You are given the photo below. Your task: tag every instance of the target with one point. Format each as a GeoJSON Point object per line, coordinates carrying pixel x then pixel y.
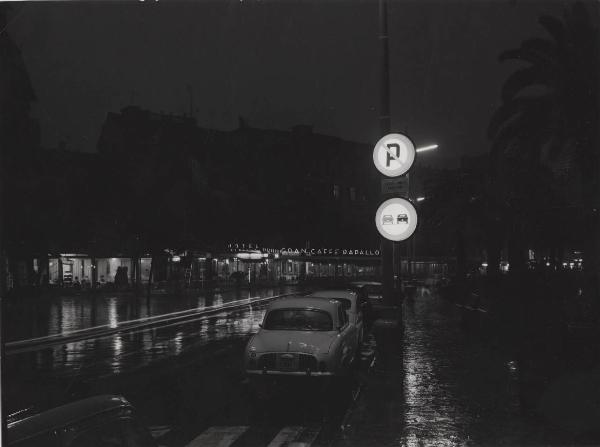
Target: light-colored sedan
{"type": "Point", "coordinates": [302, 336]}
{"type": "Point", "coordinates": [352, 304]}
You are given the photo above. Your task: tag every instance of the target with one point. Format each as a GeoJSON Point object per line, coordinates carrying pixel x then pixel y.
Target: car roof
{"type": "Point", "coordinates": [304, 302]}
{"type": "Point", "coordinates": [64, 415]}
{"type": "Point", "coordinates": [335, 293]}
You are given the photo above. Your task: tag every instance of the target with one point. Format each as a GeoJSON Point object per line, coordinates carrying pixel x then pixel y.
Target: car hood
{"type": "Point", "coordinates": [309, 342]}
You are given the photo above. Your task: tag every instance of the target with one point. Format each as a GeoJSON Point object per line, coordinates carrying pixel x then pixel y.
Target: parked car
{"type": "Point", "coordinates": [357, 307]}
{"type": "Point", "coordinates": [302, 336]}
{"type": "Point", "coordinates": [98, 421]}
{"type": "Point", "coordinates": [370, 290]}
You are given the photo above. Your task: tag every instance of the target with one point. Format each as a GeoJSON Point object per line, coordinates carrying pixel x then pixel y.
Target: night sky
{"type": "Point", "coordinates": [275, 63]}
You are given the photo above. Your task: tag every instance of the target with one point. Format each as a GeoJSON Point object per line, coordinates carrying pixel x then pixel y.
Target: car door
{"type": "Point", "coordinates": [109, 432]}
{"type": "Point", "coordinates": [102, 435]}
{"type": "Point", "coordinates": [49, 439]}
{"type": "Point", "coordinates": [348, 338]}
{"type": "Point", "coordinates": [360, 318]}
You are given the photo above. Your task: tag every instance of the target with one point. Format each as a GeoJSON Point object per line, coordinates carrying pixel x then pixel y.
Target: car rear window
{"type": "Point", "coordinates": [346, 303]}
{"type": "Point", "coordinates": [299, 320]}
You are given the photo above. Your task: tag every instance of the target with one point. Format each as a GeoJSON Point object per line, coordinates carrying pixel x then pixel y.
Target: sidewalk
{"type": "Point", "coordinates": [24, 319]}
{"type": "Point", "coordinates": [441, 385]}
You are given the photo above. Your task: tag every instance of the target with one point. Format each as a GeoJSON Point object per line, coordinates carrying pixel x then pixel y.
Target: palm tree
{"type": "Point", "coordinates": [550, 111]}
{"type": "Point", "coordinates": [455, 208]}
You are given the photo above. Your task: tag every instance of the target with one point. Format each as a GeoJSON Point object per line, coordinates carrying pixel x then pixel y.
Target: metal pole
{"type": "Point", "coordinates": [409, 251]}
{"type": "Point", "coordinates": [387, 247]}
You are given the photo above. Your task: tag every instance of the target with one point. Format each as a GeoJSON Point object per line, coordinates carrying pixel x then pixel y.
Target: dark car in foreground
{"type": "Point", "coordinates": [99, 421]}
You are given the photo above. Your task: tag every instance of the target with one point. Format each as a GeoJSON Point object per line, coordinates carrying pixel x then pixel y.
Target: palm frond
{"type": "Point", "coordinates": [524, 78]}
{"type": "Point", "coordinates": [542, 52]}
{"type": "Point", "coordinates": [554, 27]}
{"type": "Point", "coordinates": [545, 49]}
{"type": "Point", "coordinates": [509, 110]}
{"type": "Point", "coordinates": [523, 144]}
{"type": "Point", "coordinates": [515, 54]}
{"type": "Point", "coordinates": [578, 17]}
{"type": "Point", "coordinates": [536, 125]}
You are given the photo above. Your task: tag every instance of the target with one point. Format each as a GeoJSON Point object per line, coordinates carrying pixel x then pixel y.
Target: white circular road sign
{"type": "Point", "coordinates": [396, 219]}
{"type": "Point", "coordinates": [394, 154]}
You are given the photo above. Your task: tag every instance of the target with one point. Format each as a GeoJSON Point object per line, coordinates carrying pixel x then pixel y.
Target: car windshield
{"type": "Point", "coordinates": [373, 290]}
{"type": "Point", "coordinates": [299, 320]}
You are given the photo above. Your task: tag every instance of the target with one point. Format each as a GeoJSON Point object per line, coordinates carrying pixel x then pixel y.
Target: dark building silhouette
{"type": "Point", "coordinates": [291, 187]}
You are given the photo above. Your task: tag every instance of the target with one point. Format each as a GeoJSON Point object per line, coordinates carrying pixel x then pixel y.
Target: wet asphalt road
{"type": "Point", "coordinates": [36, 374]}
{"type": "Point", "coordinates": [31, 317]}
{"type": "Point", "coordinates": [435, 384]}
{"type": "Point", "coordinates": [181, 376]}
{"type": "Point", "coordinates": [444, 385]}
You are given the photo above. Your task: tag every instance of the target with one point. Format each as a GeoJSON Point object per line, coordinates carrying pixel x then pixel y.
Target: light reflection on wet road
{"type": "Point", "coordinates": [126, 351]}
{"type": "Point", "coordinates": [30, 318]}
{"type": "Point", "coordinates": [37, 372]}
{"type": "Point", "coordinates": [445, 387]}
{"type": "Point", "coordinates": [457, 390]}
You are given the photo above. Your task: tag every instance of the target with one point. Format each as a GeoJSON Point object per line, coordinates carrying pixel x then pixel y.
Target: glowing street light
{"type": "Point", "coordinates": [427, 148]}
{"type": "Point", "coordinates": [420, 199]}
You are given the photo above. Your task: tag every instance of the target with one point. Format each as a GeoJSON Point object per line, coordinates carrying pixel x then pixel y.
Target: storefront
{"type": "Point", "coordinates": [237, 264]}
{"type": "Point", "coordinates": [245, 266]}
{"type": "Point", "coordinates": [256, 264]}
{"type": "Point", "coordinates": [77, 268]}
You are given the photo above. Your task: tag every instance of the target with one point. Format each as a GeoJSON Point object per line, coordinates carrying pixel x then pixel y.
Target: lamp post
{"type": "Point", "coordinates": [390, 251]}
{"type": "Point", "coordinates": [387, 246]}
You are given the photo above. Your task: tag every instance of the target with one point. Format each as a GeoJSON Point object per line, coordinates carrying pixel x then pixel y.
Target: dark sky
{"type": "Point", "coordinates": [277, 63]}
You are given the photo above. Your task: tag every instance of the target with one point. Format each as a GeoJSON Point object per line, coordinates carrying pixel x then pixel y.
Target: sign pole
{"type": "Point", "coordinates": [387, 247]}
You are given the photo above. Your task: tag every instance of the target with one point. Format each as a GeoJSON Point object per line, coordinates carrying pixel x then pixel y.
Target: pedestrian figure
{"type": "Point", "coordinates": [121, 277]}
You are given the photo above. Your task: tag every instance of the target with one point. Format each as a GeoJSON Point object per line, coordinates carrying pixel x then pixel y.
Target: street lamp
{"type": "Point", "coordinates": [426, 148]}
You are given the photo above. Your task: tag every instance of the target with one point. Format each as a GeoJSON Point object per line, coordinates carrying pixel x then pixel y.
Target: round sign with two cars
{"type": "Point", "coordinates": [394, 154]}
{"type": "Point", "coordinates": [396, 219]}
